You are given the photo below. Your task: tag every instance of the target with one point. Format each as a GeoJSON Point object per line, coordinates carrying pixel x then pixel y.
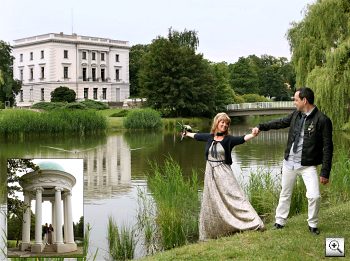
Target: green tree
{"type": "Point", "coordinates": [9, 87]}
{"type": "Point", "coordinates": [222, 94]}
{"type": "Point", "coordinates": [320, 45]}
{"type": "Point", "coordinates": [186, 38]}
{"type": "Point", "coordinates": [176, 80]}
{"type": "Point", "coordinates": [244, 76]}
{"type": "Point", "coordinates": [79, 228]}
{"type": "Point", "coordinates": [136, 54]}
{"type": "Point", "coordinates": [63, 94]}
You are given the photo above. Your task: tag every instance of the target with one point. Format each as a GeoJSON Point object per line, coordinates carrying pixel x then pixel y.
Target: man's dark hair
{"type": "Point", "coordinates": [306, 92]}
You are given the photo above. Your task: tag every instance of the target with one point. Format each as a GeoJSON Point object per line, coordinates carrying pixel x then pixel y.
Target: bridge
{"type": "Point", "coordinates": [260, 108]}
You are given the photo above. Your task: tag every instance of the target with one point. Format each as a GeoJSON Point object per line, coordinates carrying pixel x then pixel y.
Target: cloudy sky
{"type": "Point", "coordinates": [227, 29]}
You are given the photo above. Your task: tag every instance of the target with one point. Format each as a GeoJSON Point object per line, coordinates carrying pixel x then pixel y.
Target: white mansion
{"type": "Point", "coordinates": [95, 68]}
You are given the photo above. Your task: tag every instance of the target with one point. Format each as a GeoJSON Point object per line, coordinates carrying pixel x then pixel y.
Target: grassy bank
{"type": "Point", "coordinates": [13, 122]}
{"type": "Point", "coordinates": [294, 242]}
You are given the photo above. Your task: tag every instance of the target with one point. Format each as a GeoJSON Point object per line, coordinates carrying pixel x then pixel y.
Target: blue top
{"type": "Point", "coordinates": [227, 143]}
{"type": "Point", "coordinates": [50, 165]}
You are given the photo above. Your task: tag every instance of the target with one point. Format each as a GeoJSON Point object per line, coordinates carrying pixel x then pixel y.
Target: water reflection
{"type": "Point", "coordinates": [116, 165]}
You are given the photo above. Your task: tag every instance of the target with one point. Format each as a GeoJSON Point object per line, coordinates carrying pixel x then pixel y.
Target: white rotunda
{"type": "Point", "coordinates": [50, 183]}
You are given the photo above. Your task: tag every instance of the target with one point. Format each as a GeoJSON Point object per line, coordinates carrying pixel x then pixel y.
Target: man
{"type": "Point", "coordinates": [309, 144]}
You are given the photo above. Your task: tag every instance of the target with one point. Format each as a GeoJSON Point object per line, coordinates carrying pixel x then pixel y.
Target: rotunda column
{"type": "Point", "coordinates": [38, 215]}
{"type": "Point", "coordinates": [58, 216]}
{"type": "Point", "coordinates": [53, 222]}
{"type": "Point", "coordinates": [70, 233]}
{"type": "Point", "coordinates": [26, 219]}
{"type": "Point", "coordinates": [65, 218]}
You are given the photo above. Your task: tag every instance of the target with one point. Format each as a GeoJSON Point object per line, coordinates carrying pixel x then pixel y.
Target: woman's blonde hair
{"type": "Point", "coordinates": [220, 117]}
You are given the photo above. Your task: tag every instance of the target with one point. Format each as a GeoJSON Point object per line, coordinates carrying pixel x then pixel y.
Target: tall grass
{"type": "Point", "coordinates": [339, 188]}
{"type": "Point", "coordinates": [146, 222]}
{"type": "Point", "coordinates": [143, 119]}
{"type": "Point", "coordinates": [53, 122]}
{"type": "Point", "coordinates": [86, 244]}
{"type": "Point", "coordinates": [177, 203]}
{"type": "Point", "coordinates": [121, 242]}
{"type": "Point", "coordinates": [263, 193]}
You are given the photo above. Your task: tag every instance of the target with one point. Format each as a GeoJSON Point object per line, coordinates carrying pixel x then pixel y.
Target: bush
{"type": "Point", "coordinates": [143, 119]}
{"type": "Point", "coordinates": [75, 106]}
{"type": "Point", "coordinates": [254, 98]}
{"type": "Point", "coordinates": [48, 106]}
{"type": "Point", "coordinates": [63, 94]}
{"type": "Point", "coordinates": [2, 105]}
{"type": "Point", "coordinates": [96, 105]}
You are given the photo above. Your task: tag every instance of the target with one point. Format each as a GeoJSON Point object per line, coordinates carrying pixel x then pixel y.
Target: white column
{"type": "Point", "coordinates": [58, 216]}
{"type": "Point", "coordinates": [65, 217]}
{"type": "Point", "coordinates": [26, 219]}
{"type": "Point", "coordinates": [70, 233]}
{"type": "Point", "coordinates": [53, 222]}
{"type": "Point", "coordinates": [38, 216]}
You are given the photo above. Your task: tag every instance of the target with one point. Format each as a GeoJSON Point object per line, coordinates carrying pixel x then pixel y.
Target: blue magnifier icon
{"type": "Point", "coordinates": [334, 245]}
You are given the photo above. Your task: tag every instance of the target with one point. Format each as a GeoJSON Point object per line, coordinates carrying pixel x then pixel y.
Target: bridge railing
{"type": "Point", "coordinates": [260, 105]}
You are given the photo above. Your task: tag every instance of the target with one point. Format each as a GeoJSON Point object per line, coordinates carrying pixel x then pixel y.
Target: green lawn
{"type": "Point", "coordinates": [294, 242]}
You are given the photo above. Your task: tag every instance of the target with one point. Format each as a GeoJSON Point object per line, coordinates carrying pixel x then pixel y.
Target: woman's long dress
{"type": "Point", "coordinates": [225, 208]}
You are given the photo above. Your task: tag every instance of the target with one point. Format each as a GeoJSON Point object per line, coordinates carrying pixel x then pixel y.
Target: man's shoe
{"type": "Point", "coordinates": [314, 230]}
{"type": "Point", "coordinates": [277, 226]}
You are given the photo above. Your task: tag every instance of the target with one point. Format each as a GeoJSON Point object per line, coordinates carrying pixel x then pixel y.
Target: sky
{"type": "Point", "coordinates": [75, 168]}
{"type": "Point", "coordinates": [227, 29]}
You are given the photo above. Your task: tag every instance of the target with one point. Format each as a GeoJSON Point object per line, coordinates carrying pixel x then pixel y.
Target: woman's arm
{"type": "Point", "coordinates": [190, 134]}
{"type": "Point", "coordinates": [250, 136]}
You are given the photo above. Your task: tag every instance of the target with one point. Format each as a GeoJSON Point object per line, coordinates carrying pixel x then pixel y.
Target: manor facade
{"type": "Point", "coordinates": [95, 68]}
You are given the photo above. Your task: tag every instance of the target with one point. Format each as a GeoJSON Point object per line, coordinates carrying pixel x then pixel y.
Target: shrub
{"type": "Point", "coordinates": [2, 105]}
{"type": "Point", "coordinates": [63, 94]}
{"type": "Point", "coordinates": [48, 106]}
{"type": "Point", "coordinates": [143, 119]}
{"type": "Point", "coordinates": [75, 106]}
{"type": "Point", "coordinates": [96, 105]}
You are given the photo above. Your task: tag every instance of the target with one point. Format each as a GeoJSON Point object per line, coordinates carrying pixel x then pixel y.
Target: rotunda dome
{"type": "Point", "coordinates": [50, 165]}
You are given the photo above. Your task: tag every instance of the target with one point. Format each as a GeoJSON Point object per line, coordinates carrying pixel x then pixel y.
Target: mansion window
{"type": "Point", "coordinates": [65, 54]}
{"type": "Point", "coordinates": [86, 95]}
{"type": "Point", "coordinates": [103, 75]}
{"type": "Point", "coordinates": [31, 56]}
{"type": "Point", "coordinates": [21, 57]}
{"type": "Point", "coordinates": [84, 55]}
{"type": "Point", "coordinates": [31, 74]}
{"type": "Point", "coordinates": [93, 74]}
{"type": "Point", "coordinates": [104, 95]}
{"type": "Point", "coordinates": [95, 93]}
{"type": "Point", "coordinates": [93, 56]}
{"type": "Point", "coordinates": [21, 75]}
{"type": "Point", "coordinates": [102, 56]}
{"type": "Point", "coordinates": [42, 94]}
{"type": "Point", "coordinates": [117, 57]}
{"type": "Point", "coordinates": [42, 54]}
{"type": "Point", "coordinates": [42, 72]}
{"type": "Point", "coordinates": [84, 74]}
{"type": "Point", "coordinates": [117, 74]}
{"type": "Point", "coordinates": [65, 72]}
{"type": "Point", "coordinates": [21, 95]}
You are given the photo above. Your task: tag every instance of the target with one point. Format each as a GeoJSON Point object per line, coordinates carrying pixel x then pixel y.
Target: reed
{"type": "Point", "coordinates": [143, 119]}
{"type": "Point", "coordinates": [338, 190]}
{"type": "Point", "coordinates": [121, 242]}
{"type": "Point", "coordinates": [146, 221]}
{"type": "Point", "coordinates": [86, 244]}
{"type": "Point", "coordinates": [177, 203]}
{"type": "Point", "coordinates": [14, 122]}
{"type": "Point", "coordinates": [263, 193]}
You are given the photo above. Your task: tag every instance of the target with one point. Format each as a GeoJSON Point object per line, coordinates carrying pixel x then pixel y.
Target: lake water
{"type": "Point", "coordinates": [116, 165]}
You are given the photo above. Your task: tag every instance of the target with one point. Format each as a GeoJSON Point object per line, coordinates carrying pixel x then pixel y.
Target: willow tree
{"type": "Point", "coordinates": [320, 46]}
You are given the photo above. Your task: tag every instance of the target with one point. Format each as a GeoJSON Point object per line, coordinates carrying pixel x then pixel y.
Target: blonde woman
{"type": "Point", "coordinates": [225, 208]}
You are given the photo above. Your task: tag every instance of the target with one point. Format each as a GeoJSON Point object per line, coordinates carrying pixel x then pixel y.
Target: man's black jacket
{"type": "Point", "coordinates": [317, 145]}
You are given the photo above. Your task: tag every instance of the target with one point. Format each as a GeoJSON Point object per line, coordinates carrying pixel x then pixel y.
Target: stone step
{"type": "Point", "coordinates": [49, 248]}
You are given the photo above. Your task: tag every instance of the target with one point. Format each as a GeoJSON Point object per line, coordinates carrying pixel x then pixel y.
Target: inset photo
{"type": "Point", "coordinates": [45, 208]}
